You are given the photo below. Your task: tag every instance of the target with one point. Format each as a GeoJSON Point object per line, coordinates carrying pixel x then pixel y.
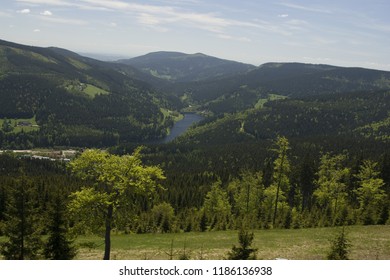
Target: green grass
{"type": "Point", "coordinates": [368, 242]}
{"type": "Point", "coordinates": [158, 75]}
{"type": "Point", "coordinates": [175, 115]}
{"type": "Point", "coordinates": [260, 103]}
{"type": "Point", "coordinates": [92, 90]}
{"type": "Point", "coordinates": [88, 89]}
{"type": "Point", "coordinates": [78, 64]}
{"type": "Point", "coordinates": [31, 54]}
{"type": "Point", "coordinates": [18, 129]}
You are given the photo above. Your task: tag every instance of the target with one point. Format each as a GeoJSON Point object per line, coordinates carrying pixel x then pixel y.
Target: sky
{"type": "Point", "coordinates": [352, 33]}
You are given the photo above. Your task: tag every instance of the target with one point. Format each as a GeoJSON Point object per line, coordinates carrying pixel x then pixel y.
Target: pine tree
{"type": "Point", "coordinates": [370, 194]}
{"type": "Point", "coordinates": [247, 192]}
{"type": "Point", "coordinates": [217, 207]}
{"type": "Point", "coordinates": [340, 247]}
{"type": "Point", "coordinates": [21, 226]}
{"type": "Point", "coordinates": [203, 221]}
{"type": "Point", "coordinates": [7, 125]}
{"type": "Point", "coordinates": [58, 245]}
{"type": "Point", "coordinates": [331, 188]}
{"type": "Point", "coordinates": [244, 250]}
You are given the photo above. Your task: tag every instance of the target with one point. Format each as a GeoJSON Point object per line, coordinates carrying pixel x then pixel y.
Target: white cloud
{"type": "Point", "coordinates": [36, 30]}
{"type": "Point", "coordinates": [47, 13]}
{"type": "Point", "coordinates": [6, 15]}
{"type": "Point", "coordinates": [160, 17]}
{"type": "Point", "coordinates": [239, 39]}
{"type": "Point", "coordinates": [148, 19]}
{"type": "Point", "coordinates": [306, 8]}
{"type": "Point", "coordinates": [157, 16]}
{"type": "Point", "coordinates": [46, 2]}
{"type": "Point", "coordinates": [60, 3]}
{"type": "Point", "coordinates": [297, 25]}
{"type": "Point", "coordinates": [24, 11]}
{"type": "Point", "coordinates": [324, 41]}
{"type": "Point", "coordinates": [63, 20]}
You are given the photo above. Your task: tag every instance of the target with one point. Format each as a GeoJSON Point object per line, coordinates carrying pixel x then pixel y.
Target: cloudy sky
{"type": "Point", "coordinates": [338, 32]}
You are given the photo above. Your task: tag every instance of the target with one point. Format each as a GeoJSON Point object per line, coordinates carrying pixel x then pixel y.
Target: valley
{"type": "Point", "coordinates": [211, 147]}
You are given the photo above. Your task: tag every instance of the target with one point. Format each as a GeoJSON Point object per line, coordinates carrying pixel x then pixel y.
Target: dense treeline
{"type": "Point", "coordinates": [33, 198]}
{"type": "Point", "coordinates": [76, 101]}
{"type": "Point", "coordinates": [67, 119]}
{"type": "Point", "coordinates": [281, 188]}
{"type": "Point", "coordinates": [357, 115]}
{"type": "Point", "coordinates": [187, 190]}
{"type": "Point", "coordinates": [323, 190]}
{"type": "Point", "coordinates": [295, 80]}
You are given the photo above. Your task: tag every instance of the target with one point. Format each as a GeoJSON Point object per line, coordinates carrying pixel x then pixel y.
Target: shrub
{"type": "Point", "coordinates": [243, 251]}
{"type": "Point", "coordinates": [340, 247]}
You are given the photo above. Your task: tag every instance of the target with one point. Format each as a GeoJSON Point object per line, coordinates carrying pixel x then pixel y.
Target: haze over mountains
{"type": "Point", "coordinates": [181, 67]}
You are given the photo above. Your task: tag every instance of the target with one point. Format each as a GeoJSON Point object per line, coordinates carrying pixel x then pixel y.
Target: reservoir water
{"type": "Point", "coordinates": [181, 126]}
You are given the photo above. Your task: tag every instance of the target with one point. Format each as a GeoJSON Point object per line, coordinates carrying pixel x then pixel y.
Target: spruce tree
{"type": "Point", "coordinates": [370, 194]}
{"type": "Point", "coordinates": [340, 247]}
{"type": "Point", "coordinates": [58, 245]}
{"type": "Point", "coordinates": [244, 250]}
{"type": "Point", "coordinates": [21, 225]}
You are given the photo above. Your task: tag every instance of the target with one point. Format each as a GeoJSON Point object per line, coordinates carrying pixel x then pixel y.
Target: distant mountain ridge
{"type": "Point", "coordinates": [181, 67]}
{"type": "Point", "coordinates": [76, 100]}
{"type": "Point", "coordinates": [293, 80]}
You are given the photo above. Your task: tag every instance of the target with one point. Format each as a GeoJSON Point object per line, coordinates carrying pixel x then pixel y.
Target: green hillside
{"type": "Point", "coordinates": [294, 80]}
{"type": "Point", "coordinates": [75, 100]}
{"type": "Point", "coordinates": [358, 114]}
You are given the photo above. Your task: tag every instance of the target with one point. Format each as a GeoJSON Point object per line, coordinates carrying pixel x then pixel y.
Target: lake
{"type": "Point", "coordinates": [181, 126]}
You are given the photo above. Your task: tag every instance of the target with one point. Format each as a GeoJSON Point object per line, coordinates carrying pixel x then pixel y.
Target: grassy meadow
{"type": "Point", "coordinates": [367, 243]}
{"type": "Point", "coordinates": [17, 129]}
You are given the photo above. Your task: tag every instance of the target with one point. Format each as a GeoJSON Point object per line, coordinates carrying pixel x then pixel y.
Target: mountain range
{"type": "Point", "coordinates": [222, 86]}
{"type": "Point", "coordinates": [80, 101]}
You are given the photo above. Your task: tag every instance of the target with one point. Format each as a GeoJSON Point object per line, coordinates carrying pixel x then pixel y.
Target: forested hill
{"type": "Point", "coordinates": [181, 67]}
{"type": "Point", "coordinates": [63, 99]}
{"type": "Point", "coordinates": [67, 99]}
{"type": "Point", "coordinates": [287, 79]}
{"type": "Point", "coordinates": [352, 116]}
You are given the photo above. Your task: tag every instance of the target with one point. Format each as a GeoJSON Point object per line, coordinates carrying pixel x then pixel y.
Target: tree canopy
{"type": "Point", "coordinates": [110, 180]}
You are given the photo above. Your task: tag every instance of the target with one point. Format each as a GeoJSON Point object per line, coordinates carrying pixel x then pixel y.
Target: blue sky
{"type": "Point", "coordinates": [337, 32]}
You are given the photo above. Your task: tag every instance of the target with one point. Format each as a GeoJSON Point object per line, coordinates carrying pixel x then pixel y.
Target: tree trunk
{"type": "Point", "coordinates": [107, 236]}
{"type": "Point", "coordinates": [278, 188]}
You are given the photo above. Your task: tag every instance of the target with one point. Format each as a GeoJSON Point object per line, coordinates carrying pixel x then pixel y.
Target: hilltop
{"type": "Point", "coordinates": [181, 67]}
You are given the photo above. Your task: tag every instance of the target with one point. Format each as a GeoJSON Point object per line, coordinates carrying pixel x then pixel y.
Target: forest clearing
{"type": "Point", "coordinates": [367, 243]}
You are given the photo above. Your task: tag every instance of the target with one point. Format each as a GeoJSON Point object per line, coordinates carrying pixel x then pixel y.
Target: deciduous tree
{"type": "Point", "coordinates": [109, 179]}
